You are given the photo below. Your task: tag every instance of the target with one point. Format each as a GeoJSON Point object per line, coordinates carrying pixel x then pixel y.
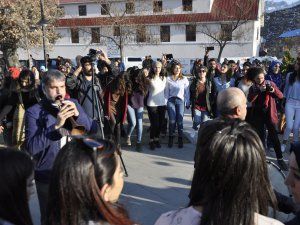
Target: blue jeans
{"type": "Point", "coordinates": [199, 117]}
{"type": "Point", "coordinates": [135, 117]}
{"type": "Point", "coordinates": [175, 108]}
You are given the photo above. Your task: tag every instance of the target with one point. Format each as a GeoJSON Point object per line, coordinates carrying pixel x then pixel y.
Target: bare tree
{"type": "Point", "coordinates": [19, 26]}
{"type": "Point", "coordinates": [121, 24]}
{"type": "Point", "coordinates": [233, 16]}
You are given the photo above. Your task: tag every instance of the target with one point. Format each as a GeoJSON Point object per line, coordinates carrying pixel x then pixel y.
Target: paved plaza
{"type": "Point", "coordinates": [159, 180]}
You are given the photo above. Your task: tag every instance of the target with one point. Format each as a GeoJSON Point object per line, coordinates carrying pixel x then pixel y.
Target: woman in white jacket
{"type": "Point", "coordinates": [292, 106]}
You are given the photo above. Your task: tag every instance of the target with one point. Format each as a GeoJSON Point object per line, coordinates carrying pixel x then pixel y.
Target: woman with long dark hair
{"type": "Point", "coordinates": [262, 95]}
{"type": "Point", "coordinates": [292, 106]}
{"type": "Point", "coordinates": [156, 103]}
{"type": "Point", "coordinates": [178, 95]}
{"type": "Point", "coordinates": [135, 106]}
{"type": "Point", "coordinates": [85, 184]}
{"type": "Point", "coordinates": [115, 96]}
{"type": "Point", "coordinates": [224, 79]}
{"type": "Point", "coordinates": [23, 96]}
{"type": "Point", "coordinates": [230, 183]}
{"type": "Point", "coordinates": [16, 186]}
{"type": "Point", "coordinates": [202, 94]}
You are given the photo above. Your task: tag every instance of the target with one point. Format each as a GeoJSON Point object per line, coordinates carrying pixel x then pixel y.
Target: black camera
{"type": "Point", "coordinates": [92, 54]}
{"type": "Point", "coordinates": [269, 87]}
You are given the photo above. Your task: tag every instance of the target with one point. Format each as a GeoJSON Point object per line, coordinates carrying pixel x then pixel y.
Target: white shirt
{"type": "Point", "coordinates": [156, 92]}
{"type": "Point", "coordinates": [190, 216]}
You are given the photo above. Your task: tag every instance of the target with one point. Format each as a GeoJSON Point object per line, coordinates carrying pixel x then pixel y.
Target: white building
{"type": "Point", "coordinates": [165, 26]}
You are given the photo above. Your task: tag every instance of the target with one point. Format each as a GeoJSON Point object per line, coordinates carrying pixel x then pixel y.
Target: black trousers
{"type": "Point", "coordinates": [156, 116]}
{"type": "Point", "coordinates": [259, 120]}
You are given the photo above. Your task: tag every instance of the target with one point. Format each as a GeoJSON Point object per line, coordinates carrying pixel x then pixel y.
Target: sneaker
{"type": "Point", "coordinates": [138, 147]}
{"type": "Point", "coordinates": [157, 144]}
{"type": "Point", "coordinates": [128, 141]}
{"type": "Point", "coordinates": [152, 145]}
{"type": "Point", "coordinates": [282, 164]}
{"type": "Point", "coordinates": [283, 147]}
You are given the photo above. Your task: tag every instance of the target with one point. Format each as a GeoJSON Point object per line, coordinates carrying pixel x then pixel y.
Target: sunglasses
{"type": "Point", "coordinates": [92, 145]}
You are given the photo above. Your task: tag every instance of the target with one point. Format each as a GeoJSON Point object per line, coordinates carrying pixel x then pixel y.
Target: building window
{"type": "Point", "coordinates": [226, 32]}
{"type": "Point", "coordinates": [82, 10]}
{"type": "Point", "coordinates": [61, 11]}
{"type": "Point", "coordinates": [165, 33]}
{"type": "Point", "coordinates": [157, 6]}
{"type": "Point", "coordinates": [104, 9]}
{"type": "Point", "coordinates": [117, 31]}
{"type": "Point", "coordinates": [95, 35]}
{"type": "Point", "coordinates": [187, 5]}
{"type": "Point", "coordinates": [74, 35]}
{"type": "Point", "coordinates": [190, 32]}
{"type": "Point", "coordinates": [141, 34]}
{"type": "Point", "coordinates": [130, 8]}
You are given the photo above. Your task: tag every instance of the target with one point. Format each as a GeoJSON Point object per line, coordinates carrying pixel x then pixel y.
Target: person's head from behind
{"type": "Point", "coordinates": [232, 103]}
{"type": "Point", "coordinates": [86, 180]}
{"type": "Point", "coordinates": [293, 178]}
{"type": "Point", "coordinates": [53, 85]}
{"type": "Point", "coordinates": [231, 180]}
{"type": "Point", "coordinates": [16, 186]}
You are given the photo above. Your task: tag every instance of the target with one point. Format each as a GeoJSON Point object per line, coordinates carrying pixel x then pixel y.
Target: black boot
{"type": "Point", "coordinates": [170, 143]}
{"type": "Point", "coordinates": [152, 145]}
{"type": "Point", "coordinates": [180, 142]}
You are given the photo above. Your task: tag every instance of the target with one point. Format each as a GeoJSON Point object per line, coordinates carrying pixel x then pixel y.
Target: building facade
{"type": "Point", "coordinates": [153, 27]}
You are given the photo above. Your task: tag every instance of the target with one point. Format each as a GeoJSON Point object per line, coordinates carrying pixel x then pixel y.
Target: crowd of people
{"type": "Point", "coordinates": [69, 121]}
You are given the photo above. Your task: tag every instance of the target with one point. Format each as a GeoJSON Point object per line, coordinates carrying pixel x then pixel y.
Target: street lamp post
{"type": "Point", "coordinates": [43, 22]}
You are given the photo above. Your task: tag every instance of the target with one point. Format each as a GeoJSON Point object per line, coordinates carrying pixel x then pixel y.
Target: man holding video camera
{"type": "Point", "coordinates": [80, 84]}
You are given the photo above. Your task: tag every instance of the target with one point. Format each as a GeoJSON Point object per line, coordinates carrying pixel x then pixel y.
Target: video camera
{"type": "Point", "coordinates": [93, 53]}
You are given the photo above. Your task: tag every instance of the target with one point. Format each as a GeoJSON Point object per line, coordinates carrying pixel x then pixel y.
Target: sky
{"type": "Point", "coordinates": [287, 1]}
{"type": "Point", "coordinates": [290, 1]}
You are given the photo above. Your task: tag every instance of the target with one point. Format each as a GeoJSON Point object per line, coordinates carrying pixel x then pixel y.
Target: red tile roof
{"type": "Point", "coordinates": [222, 10]}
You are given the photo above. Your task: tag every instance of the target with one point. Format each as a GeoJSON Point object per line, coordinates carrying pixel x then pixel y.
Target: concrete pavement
{"type": "Point", "coordinates": [158, 180]}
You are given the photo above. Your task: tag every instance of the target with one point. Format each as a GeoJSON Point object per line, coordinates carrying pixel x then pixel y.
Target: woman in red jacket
{"type": "Point", "coordinates": [262, 95]}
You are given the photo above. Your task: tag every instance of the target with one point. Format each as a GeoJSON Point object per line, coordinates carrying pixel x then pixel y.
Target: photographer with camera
{"type": "Point", "coordinates": [80, 85]}
{"type": "Point", "coordinates": [262, 95]}
{"type": "Point", "coordinates": [211, 64]}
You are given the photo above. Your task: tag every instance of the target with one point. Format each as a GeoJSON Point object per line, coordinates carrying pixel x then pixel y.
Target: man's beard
{"type": "Point", "coordinates": [88, 73]}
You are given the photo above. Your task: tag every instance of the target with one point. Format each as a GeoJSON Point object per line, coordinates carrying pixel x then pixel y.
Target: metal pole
{"type": "Point", "coordinates": [44, 31]}
{"type": "Point", "coordinates": [44, 45]}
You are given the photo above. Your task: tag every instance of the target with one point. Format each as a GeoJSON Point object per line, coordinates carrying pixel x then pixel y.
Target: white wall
{"type": "Point", "coordinates": [141, 7]}
{"type": "Point", "coordinates": [246, 46]}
